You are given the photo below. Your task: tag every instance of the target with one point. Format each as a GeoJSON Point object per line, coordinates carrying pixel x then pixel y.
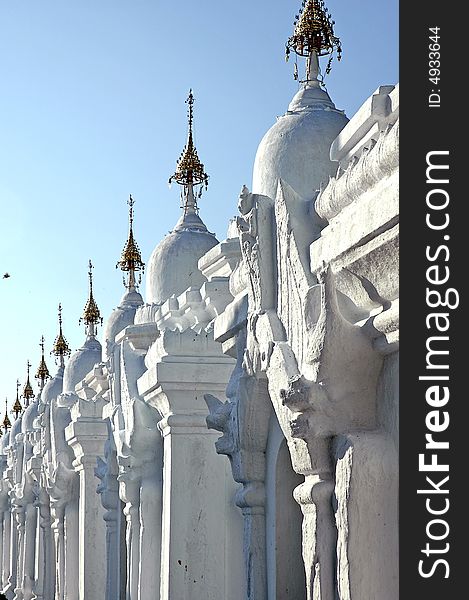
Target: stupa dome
{"type": "Point", "coordinates": [296, 148]}
{"type": "Point", "coordinates": [172, 267]}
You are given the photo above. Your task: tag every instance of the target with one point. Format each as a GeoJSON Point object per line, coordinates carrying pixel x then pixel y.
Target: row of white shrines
{"type": "Point", "coordinates": [115, 482]}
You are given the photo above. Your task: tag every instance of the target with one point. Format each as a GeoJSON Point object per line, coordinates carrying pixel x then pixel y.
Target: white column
{"type": "Point", "coordinates": [49, 570]}
{"type": "Point", "coordinates": [29, 551]}
{"type": "Point", "coordinates": [6, 547]}
{"type": "Point", "coordinates": [112, 555]}
{"type": "Point", "coordinates": [193, 553]}
{"type": "Point", "coordinates": [34, 547]}
{"type": "Point", "coordinates": [72, 544]}
{"type": "Point", "coordinates": [194, 536]}
{"type": "Point", "coordinates": [45, 564]}
{"type": "Point", "coordinates": [150, 529]}
{"type": "Point", "coordinates": [87, 435]}
{"type": "Point", "coordinates": [20, 524]}
{"type": "Point", "coordinates": [130, 494]}
{"type": "Point", "coordinates": [319, 535]}
{"type": "Point", "coordinates": [59, 550]}
{"type": "Point", "coordinates": [9, 590]}
{"type": "Point", "coordinates": [2, 548]}
{"type": "Point", "coordinates": [92, 535]}
{"type": "Point", "coordinates": [39, 559]}
{"type": "Point", "coordinates": [111, 504]}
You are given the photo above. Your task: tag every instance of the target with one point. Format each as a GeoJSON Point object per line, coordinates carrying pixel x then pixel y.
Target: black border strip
{"type": "Point", "coordinates": [432, 264]}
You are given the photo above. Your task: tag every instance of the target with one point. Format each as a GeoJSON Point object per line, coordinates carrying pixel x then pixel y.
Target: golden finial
{"type": "Point", "coordinates": [28, 393]}
{"type": "Point", "coordinates": [17, 408]}
{"type": "Point", "coordinates": [42, 372]}
{"type": "Point", "coordinates": [314, 32]}
{"type": "Point", "coordinates": [91, 315]}
{"type": "Point", "coordinates": [6, 421]}
{"type": "Point", "coordinates": [189, 170]}
{"type": "Point", "coordinates": [131, 259]}
{"type": "Point", "coordinates": [61, 347]}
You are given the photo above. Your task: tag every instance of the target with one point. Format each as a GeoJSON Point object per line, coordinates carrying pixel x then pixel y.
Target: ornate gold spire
{"type": "Point", "coordinates": [314, 32]}
{"type": "Point", "coordinates": [61, 347]}
{"type": "Point", "coordinates": [28, 393]}
{"type": "Point", "coordinates": [131, 259]}
{"type": "Point", "coordinates": [17, 408]}
{"type": "Point", "coordinates": [190, 170]}
{"type": "Point", "coordinates": [91, 315]}
{"type": "Point", "coordinates": [42, 372]}
{"type": "Point", "coordinates": [6, 424]}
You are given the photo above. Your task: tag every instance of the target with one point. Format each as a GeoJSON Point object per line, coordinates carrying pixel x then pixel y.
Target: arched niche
{"type": "Point", "coordinates": [285, 568]}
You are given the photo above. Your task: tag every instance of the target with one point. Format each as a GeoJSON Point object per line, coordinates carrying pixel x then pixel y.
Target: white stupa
{"type": "Point", "coordinates": [130, 263]}
{"type": "Point", "coordinates": [60, 350]}
{"type": "Point", "coordinates": [83, 360]}
{"type": "Point", "coordinates": [18, 410]}
{"type": "Point", "coordinates": [172, 267]}
{"type": "Point", "coordinates": [296, 148]}
{"type": "Point", "coordinates": [30, 405]}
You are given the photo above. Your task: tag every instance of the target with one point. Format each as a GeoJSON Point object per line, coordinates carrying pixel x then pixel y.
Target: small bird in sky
{"type": "Point", "coordinates": [6, 275]}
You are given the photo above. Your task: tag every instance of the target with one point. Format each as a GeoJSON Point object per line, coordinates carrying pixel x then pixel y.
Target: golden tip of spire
{"type": "Point", "coordinates": [28, 392]}
{"type": "Point", "coordinates": [61, 347]}
{"type": "Point", "coordinates": [131, 258]}
{"type": "Point", "coordinates": [6, 424]}
{"type": "Point", "coordinates": [314, 32]}
{"type": "Point", "coordinates": [42, 372]}
{"type": "Point", "coordinates": [91, 314]}
{"type": "Point", "coordinates": [189, 169]}
{"type": "Point", "coordinates": [190, 109]}
{"type": "Point", "coordinates": [17, 406]}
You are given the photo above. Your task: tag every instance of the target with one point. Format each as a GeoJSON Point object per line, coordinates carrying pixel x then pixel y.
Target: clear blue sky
{"type": "Point", "coordinates": [92, 109]}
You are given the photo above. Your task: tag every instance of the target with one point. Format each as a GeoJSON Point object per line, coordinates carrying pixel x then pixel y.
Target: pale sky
{"type": "Point", "coordinates": [92, 109]}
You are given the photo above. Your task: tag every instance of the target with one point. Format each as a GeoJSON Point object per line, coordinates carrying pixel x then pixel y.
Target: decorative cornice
{"type": "Point", "coordinates": [377, 161]}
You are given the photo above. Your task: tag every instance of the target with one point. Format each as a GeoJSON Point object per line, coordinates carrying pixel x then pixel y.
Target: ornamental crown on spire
{"type": "Point", "coordinates": [17, 407]}
{"type": "Point", "coordinates": [189, 169]}
{"type": "Point", "coordinates": [91, 314]}
{"type": "Point", "coordinates": [61, 347]}
{"type": "Point", "coordinates": [6, 424]}
{"type": "Point", "coordinates": [314, 32]}
{"type": "Point", "coordinates": [131, 258]}
{"type": "Point", "coordinates": [42, 372]}
{"type": "Point", "coordinates": [28, 392]}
